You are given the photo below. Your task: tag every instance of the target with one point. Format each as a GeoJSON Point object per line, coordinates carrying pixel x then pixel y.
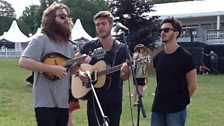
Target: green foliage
{"type": "Point", "coordinates": [5, 24]}
{"type": "Point", "coordinates": [6, 9]}
{"type": "Point", "coordinates": [30, 19]}
{"type": "Point", "coordinates": [84, 10]}
{"type": "Point", "coordinates": [205, 109]}
{"type": "Point", "coordinates": [131, 14]}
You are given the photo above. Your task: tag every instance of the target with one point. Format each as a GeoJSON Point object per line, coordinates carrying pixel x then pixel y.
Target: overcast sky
{"type": "Point", "coordinates": [19, 5]}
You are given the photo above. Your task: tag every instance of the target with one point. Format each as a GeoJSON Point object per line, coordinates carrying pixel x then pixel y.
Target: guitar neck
{"type": "Point", "coordinates": [110, 70]}
{"type": "Point", "coordinates": [117, 67]}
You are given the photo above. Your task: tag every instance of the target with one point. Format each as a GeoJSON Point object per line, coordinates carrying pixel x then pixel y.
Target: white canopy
{"type": "Point", "coordinates": [14, 34]}
{"type": "Point", "coordinates": [189, 9]}
{"type": "Point", "coordinates": [79, 32]}
{"type": "Point", "coordinates": [37, 32]}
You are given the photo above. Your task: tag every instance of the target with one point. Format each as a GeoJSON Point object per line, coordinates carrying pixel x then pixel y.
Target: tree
{"type": "Point", "coordinates": [5, 24]}
{"type": "Point", "coordinates": [7, 14]}
{"type": "Point", "coordinates": [131, 14]}
{"type": "Point", "coordinates": [6, 9]}
{"type": "Point", "coordinates": [84, 10]}
{"type": "Point", "coordinates": [29, 18]}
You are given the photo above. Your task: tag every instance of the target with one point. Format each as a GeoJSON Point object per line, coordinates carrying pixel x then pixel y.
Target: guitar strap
{"type": "Point", "coordinates": [116, 48]}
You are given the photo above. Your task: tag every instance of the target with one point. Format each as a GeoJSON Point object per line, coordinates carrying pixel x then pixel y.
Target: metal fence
{"type": "Point", "coordinates": [215, 37]}
{"type": "Point", "coordinates": [9, 53]}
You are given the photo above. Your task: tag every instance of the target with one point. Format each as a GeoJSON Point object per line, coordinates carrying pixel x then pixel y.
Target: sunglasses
{"type": "Point", "coordinates": [62, 16]}
{"type": "Point", "coordinates": [166, 30]}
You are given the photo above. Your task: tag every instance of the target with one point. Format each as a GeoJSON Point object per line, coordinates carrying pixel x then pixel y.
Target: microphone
{"type": "Point", "coordinates": [121, 26]}
{"type": "Point", "coordinates": [88, 74]}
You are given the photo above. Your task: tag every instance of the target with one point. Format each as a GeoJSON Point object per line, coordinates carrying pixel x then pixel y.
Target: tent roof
{"type": "Point", "coordinates": [37, 33]}
{"type": "Point", "coordinates": [79, 32]}
{"type": "Point", "coordinates": [14, 34]}
{"type": "Point", "coordinates": [189, 9]}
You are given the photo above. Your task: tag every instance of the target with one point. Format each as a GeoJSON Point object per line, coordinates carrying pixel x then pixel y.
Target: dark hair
{"type": "Point", "coordinates": [104, 14]}
{"type": "Point", "coordinates": [177, 26]}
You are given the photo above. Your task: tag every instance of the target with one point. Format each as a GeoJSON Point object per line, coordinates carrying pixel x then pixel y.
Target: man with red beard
{"type": "Point", "coordinates": [110, 96]}
{"type": "Point", "coordinates": [50, 97]}
{"type": "Point", "coordinates": [176, 78]}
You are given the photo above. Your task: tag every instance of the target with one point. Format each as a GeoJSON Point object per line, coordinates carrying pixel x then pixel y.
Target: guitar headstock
{"type": "Point", "coordinates": [98, 53]}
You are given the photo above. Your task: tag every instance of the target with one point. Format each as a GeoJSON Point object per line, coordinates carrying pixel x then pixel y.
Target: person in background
{"type": "Point", "coordinates": [176, 78]}
{"type": "Point", "coordinates": [110, 96]}
{"type": "Point", "coordinates": [50, 97]}
{"type": "Point", "coordinates": [203, 69]}
{"type": "Point", "coordinates": [214, 62]}
{"type": "Point", "coordinates": [141, 73]}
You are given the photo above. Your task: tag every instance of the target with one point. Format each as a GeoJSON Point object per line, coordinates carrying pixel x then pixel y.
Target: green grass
{"type": "Point", "coordinates": [206, 108]}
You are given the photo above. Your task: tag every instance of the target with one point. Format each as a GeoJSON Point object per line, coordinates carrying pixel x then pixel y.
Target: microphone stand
{"type": "Point", "coordinates": [140, 103]}
{"type": "Point", "coordinates": [89, 84]}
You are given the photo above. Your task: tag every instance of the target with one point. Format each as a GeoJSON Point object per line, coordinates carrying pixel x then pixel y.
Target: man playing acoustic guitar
{"type": "Point", "coordinates": [50, 97]}
{"type": "Point", "coordinates": [110, 96]}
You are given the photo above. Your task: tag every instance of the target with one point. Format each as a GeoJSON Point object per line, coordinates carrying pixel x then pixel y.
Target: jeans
{"type": "Point", "coordinates": [169, 119]}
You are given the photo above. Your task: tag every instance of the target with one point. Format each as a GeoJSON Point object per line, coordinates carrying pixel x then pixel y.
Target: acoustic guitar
{"type": "Point", "coordinates": [98, 74]}
{"type": "Point", "coordinates": [55, 58]}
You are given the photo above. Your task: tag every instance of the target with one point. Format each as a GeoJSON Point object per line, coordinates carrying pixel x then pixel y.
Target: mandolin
{"type": "Point", "coordinates": [55, 58]}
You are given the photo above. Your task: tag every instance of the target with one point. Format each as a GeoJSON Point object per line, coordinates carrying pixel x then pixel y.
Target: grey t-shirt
{"type": "Point", "coordinates": [48, 93]}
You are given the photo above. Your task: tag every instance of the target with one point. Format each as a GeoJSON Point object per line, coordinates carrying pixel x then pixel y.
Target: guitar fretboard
{"type": "Point", "coordinates": [110, 70]}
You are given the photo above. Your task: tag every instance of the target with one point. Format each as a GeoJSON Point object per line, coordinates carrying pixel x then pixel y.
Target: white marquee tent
{"type": "Point", "coordinates": [78, 31]}
{"type": "Point", "coordinates": [37, 32]}
{"type": "Point", "coordinates": [15, 35]}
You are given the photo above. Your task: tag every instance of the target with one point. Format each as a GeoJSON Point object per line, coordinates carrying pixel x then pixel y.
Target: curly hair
{"type": "Point", "coordinates": [48, 19]}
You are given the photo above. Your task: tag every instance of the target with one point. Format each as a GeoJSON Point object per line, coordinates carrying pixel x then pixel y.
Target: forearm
{"type": "Point", "coordinates": [33, 65]}
{"type": "Point", "coordinates": [191, 80]}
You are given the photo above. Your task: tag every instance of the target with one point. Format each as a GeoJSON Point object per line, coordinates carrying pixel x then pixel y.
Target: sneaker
{"type": "Point", "coordinates": [29, 84]}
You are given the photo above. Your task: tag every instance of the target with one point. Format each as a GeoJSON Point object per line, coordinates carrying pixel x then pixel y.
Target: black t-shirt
{"type": "Point", "coordinates": [114, 92]}
{"type": "Point", "coordinates": [172, 89]}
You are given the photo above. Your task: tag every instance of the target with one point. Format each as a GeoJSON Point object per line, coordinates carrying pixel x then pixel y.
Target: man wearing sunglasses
{"type": "Point", "coordinates": [50, 97]}
{"type": "Point", "coordinates": [176, 78]}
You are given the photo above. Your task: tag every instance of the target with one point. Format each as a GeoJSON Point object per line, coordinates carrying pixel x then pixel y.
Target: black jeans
{"type": "Point", "coordinates": [112, 110]}
{"type": "Point", "coordinates": [51, 116]}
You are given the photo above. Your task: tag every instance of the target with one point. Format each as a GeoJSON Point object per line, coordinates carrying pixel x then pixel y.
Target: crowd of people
{"type": "Point", "coordinates": [53, 101]}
